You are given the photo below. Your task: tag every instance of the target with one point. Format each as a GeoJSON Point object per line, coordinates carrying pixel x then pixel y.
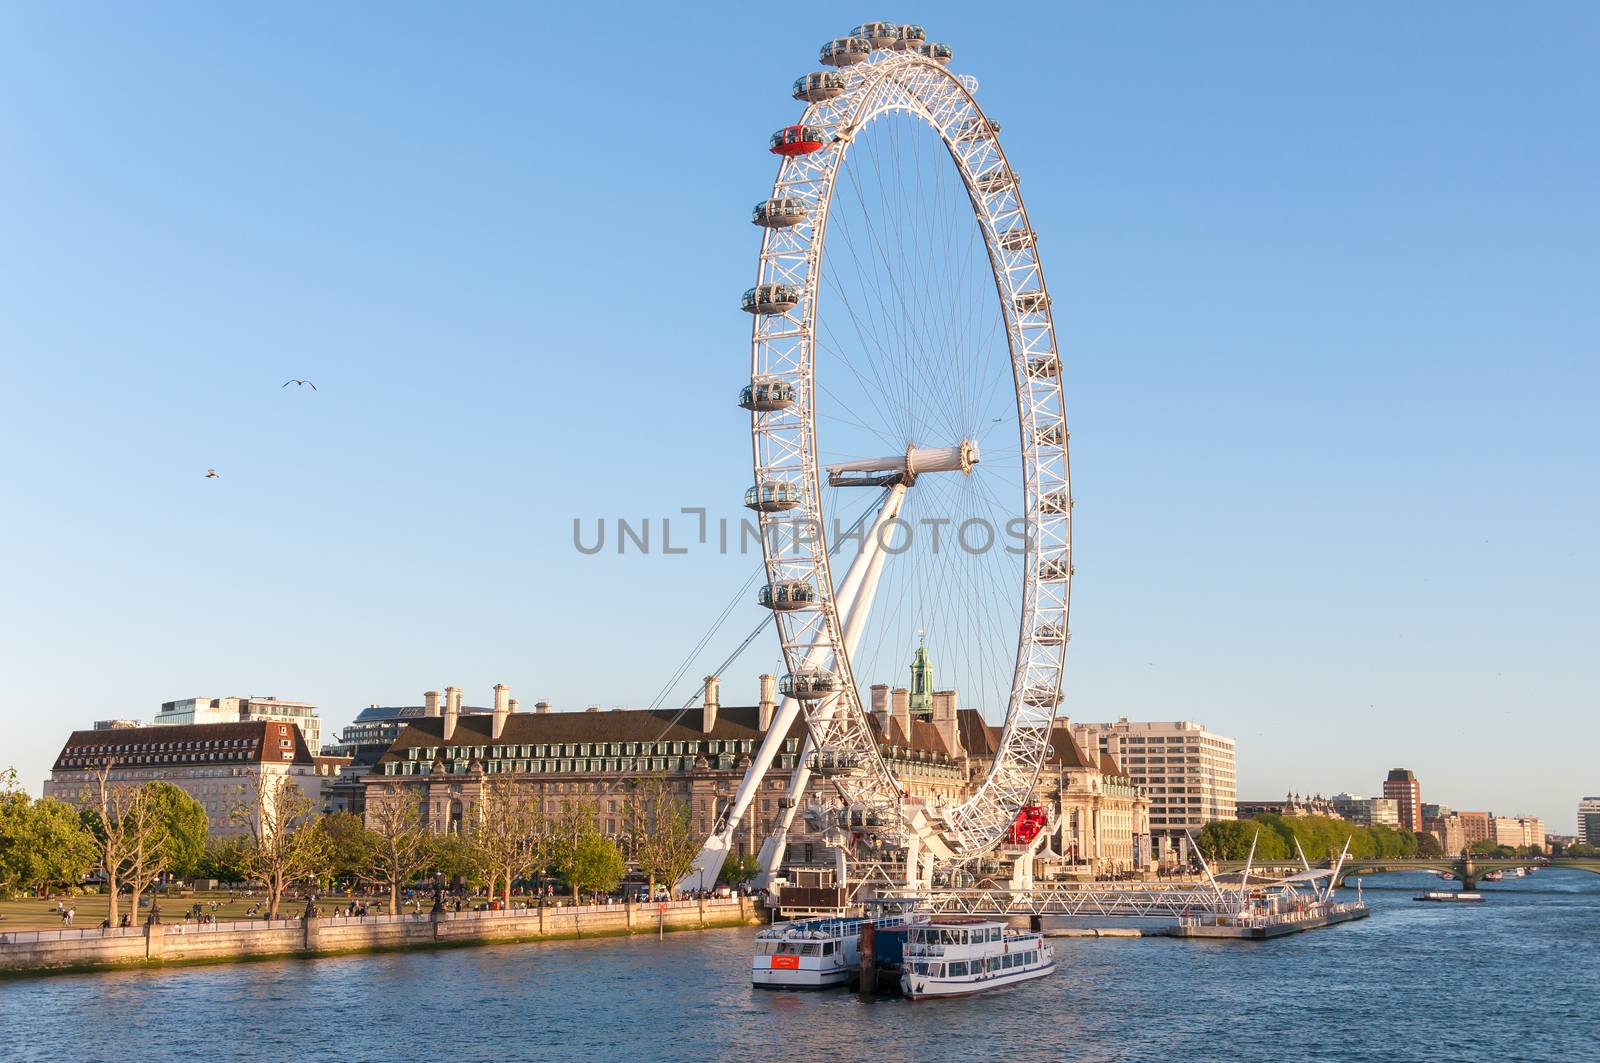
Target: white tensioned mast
{"type": "Point", "coordinates": [785, 447]}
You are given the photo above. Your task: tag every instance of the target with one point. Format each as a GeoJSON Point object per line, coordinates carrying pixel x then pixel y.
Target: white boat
{"type": "Point", "coordinates": [958, 957]}
{"type": "Point", "coordinates": [813, 953]}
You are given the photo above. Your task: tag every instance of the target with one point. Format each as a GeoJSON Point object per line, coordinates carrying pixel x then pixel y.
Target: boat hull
{"type": "Point", "coordinates": [923, 987]}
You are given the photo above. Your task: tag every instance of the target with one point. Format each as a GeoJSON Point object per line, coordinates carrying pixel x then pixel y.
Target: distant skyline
{"type": "Point", "coordinates": [1324, 280]}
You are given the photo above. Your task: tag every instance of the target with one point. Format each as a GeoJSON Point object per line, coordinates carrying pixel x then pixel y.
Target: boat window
{"type": "Point", "coordinates": [827, 948]}
{"type": "Point", "coordinates": [809, 950]}
{"type": "Point", "coordinates": [958, 969]}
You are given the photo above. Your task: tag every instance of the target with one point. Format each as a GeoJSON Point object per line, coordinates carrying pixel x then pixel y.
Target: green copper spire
{"type": "Point", "coordinates": [921, 683]}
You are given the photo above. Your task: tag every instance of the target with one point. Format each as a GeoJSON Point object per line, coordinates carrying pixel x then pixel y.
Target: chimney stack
{"type": "Point", "coordinates": [502, 709]}
{"type": "Point", "coordinates": [769, 702]}
{"type": "Point", "coordinates": [541, 706]}
{"type": "Point", "coordinates": [512, 706]}
{"type": "Point", "coordinates": [452, 710]}
{"type": "Point", "coordinates": [900, 699]}
{"type": "Point", "coordinates": [944, 718]}
{"type": "Point", "coordinates": [708, 718]}
{"type": "Point", "coordinates": [430, 703]}
{"type": "Point", "coordinates": [880, 709]}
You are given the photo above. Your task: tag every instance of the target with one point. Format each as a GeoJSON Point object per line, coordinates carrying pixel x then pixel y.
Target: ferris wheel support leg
{"type": "Point", "coordinates": [854, 600]}
{"type": "Point", "coordinates": [859, 586]}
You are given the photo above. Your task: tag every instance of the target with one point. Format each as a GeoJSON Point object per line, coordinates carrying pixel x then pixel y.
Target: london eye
{"type": "Point", "coordinates": [905, 399]}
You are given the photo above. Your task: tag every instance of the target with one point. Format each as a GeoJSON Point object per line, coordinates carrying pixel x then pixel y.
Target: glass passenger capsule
{"type": "Point", "coordinates": [1050, 435]}
{"type": "Point", "coordinates": [877, 34]}
{"type": "Point", "coordinates": [794, 140]}
{"type": "Point", "coordinates": [1041, 697]}
{"type": "Point", "coordinates": [908, 37]}
{"type": "Point", "coordinates": [788, 595]}
{"type": "Point", "coordinates": [1055, 569]}
{"type": "Point", "coordinates": [770, 299]}
{"type": "Point", "coordinates": [845, 51]}
{"type": "Point", "coordinates": [996, 181]}
{"type": "Point", "coordinates": [1049, 635]}
{"type": "Point", "coordinates": [767, 396]}
{"type": "Point", "coordinates": [822, 85]}
{"type": "Point", "coordinates": [774, 496]}
{"type": "Point", "coordinates": [828, 763]}
{"type": "Point", "coordinates": [1044, 365]}
{"type": "Point", "coordinates": [977, 129]}
{"type": "Point", "coordinates": [808, 686]}
{"type": "Point", "coordinates": [778, 213]}
{"type": "Point", "coordinates": [939, 53]}
{"type": "Point", "coordinates": [1032, 302]}
{"type": "Point", "coordinates": [1056, 502]}
{"type": "Point", "coordinates": [1018, 239]}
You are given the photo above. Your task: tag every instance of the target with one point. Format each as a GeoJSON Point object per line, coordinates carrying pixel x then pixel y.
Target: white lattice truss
{"type": "Point", "coordinates": [785, 445]}
{"type": "Point", "coordinates": [1123, 900]}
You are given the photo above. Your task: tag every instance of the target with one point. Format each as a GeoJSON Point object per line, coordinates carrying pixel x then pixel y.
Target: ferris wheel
{"type": "Point", "coordinates": [906, 400]}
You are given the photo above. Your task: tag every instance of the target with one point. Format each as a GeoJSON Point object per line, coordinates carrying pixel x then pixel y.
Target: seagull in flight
{"type": "Point", "coordinates": [211, 474]}
{"type": "Point", "coordinates": [301, 383]}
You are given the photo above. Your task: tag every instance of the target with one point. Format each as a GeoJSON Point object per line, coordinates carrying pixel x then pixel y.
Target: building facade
{"type": "Point", "coordinates": [1368, 811]}
{"type": "Point", "coordinates": [1405, 791]}
{"type": "Point", "coordinates": [1474, 828]}
{"type": "Point", "coordinates": [1589, 821]}
{"type": "Point", "coordinates": [442, 762]}
{"type": "Point", "coordinates": [243, 710]}
{"type": "Point", "coordinates": [217, 764]}
{"type": "Point", "coordinates": [1186, 772]}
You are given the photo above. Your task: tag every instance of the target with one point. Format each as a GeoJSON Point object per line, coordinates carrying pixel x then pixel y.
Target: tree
{"type": "Point", "coordinates": [395, 847]}
{"type": "Point", "coordinates": [597, 864]}
{"type": "Point", "coordinates": [186, 825]}
{"type": "Point", "coordinates": [1428, 845]}
{"type": "Point", "coordinates": [282, 843]}
{"type": "Point", "coordinates": [737, 868]}
{"type": "Point", "coordinates": [568, 831]}
{"type": "Point", "coordinates": [346, 839]}
{"type": "Point", "coordinates": [659, 821]}
{"type": "Point", "coordinates": [505, 835]}
{"type": "Point", "coordinates": [41, 842]}
{"type": "Point", "coordinates": [130, 835]}
{"type": "Point", "coordinates": [224, 859]}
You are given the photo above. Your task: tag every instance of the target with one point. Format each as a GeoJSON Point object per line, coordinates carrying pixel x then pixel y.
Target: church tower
{"type": "Point", "coordinates": [921, 684]}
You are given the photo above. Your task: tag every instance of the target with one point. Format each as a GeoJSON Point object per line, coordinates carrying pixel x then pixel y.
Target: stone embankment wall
{"type": "Point", "coordinates": [42, 950]}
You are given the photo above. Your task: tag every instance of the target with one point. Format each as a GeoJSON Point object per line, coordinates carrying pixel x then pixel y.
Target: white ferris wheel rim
{"type": "Point", "coordinates": [784, 442]}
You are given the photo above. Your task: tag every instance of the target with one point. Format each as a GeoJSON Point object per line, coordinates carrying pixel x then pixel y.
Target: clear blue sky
{"type": "Point", "coordinates": [1327, 280]}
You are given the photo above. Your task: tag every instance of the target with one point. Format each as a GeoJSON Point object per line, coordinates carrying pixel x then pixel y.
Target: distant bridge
{"type": "Point", "coordinates": [1466, 868]}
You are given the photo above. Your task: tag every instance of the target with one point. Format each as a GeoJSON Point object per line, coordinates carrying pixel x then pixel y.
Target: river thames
{"type": "Point", "coordinates": [1517, 978]}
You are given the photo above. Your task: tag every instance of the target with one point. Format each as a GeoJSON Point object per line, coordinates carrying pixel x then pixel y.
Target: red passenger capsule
{"type": "Point", "coordinates": [797, 140]}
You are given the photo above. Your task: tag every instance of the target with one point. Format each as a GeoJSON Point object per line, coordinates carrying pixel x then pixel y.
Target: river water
{"type": "Point", "coordinates": [1517, 978]}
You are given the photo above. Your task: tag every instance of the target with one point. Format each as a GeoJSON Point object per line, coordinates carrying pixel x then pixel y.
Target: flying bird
{"type": "Point", "coordinates": [302, 383]}
{"type": "Point", "coordinates": [211, 474]}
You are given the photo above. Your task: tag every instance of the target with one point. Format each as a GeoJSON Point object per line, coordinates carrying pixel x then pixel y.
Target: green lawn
{"type": "Point", "coordinates": [39, 914]}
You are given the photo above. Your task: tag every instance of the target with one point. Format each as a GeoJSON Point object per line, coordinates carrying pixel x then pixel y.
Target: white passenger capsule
{"type": "Point", "coordinates": [808, 686]}
{"type": "Point", "coordinates": [822, 85]}
{"type": "Point", "coordinates": [877, 34]}
{"type": "Point", "coordinates": [1032, 302]}
{"type": "Point", "coordinates": [1041, 697]}
{"type": "Point", "coordinates": [939, 53]}
{"type": "Point", "coordinates": [1056, 502]}
{"type": "Point", "coordinates": [788, 595]}
{"type": "Point", "coordinates": [774, 496]}
{"type": "Point", "coordinates": [977, 129]}
{"type": "Point", "coordinates": [1044, 365]}
{"type": "Point", "coordinates": [1018, 239]}
{"type": "Point", "coordinates": [1055, 570]}
{"type": "Point", "coordinates": [996, 181]}
{"type": "Point", "coordinates": [778, 213]}
{"type": "Point", "coordinates": [1050, 435]}
{"type": "Point", "coordinates": [845, 51]}
{"type": "Point", "coordinates": [907, 38]}
{"type": "Point", "coordinates": [770, 299]}
{"type": "Point", "coordinates": [767, 396]}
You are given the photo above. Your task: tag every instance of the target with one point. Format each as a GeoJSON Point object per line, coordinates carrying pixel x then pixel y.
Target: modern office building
{"type": "Point", "coordinates": [1402, 788]}
{"type": "Point", "coordinates": [1589, 821]}
{"type": "Point", "coordinates": [1185, 771]}
{"type": "Point", "coordinates": [1368, 811]}
{"type": "Point", "coordinates": [187, 711]}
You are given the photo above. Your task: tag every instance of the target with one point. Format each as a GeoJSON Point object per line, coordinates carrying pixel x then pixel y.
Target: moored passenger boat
{"type": "Point", "coordinates": [958, 957]}
{"type": "Point", "coordinates": [813, 953]}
